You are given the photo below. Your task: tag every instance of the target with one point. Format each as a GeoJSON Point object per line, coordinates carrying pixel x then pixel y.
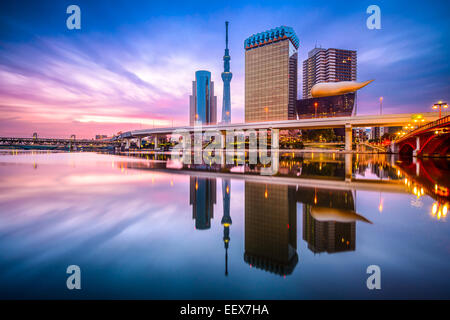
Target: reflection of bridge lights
{"type": "Point", "coordinates": [380, 206]}
{"type": "Point", "coordinates": [439, 210]}
{"type": "Point", "coordinates": [441, 190]}
{"type": "Point", "coordinates": [407, 182]}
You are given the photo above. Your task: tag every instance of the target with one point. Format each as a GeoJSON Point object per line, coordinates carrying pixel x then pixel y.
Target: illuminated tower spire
{"type": "Point", "coordinates": [226, 77]}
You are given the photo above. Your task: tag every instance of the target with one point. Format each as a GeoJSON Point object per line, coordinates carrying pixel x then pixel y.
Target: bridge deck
{"type": "Point", "coordinates": [316, 123]}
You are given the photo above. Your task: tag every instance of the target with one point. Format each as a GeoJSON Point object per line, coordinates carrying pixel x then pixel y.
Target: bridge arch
{"type": "Point", "coordinates": [436, 144]}
{"type": "Point", "coordinates": [406, 149]}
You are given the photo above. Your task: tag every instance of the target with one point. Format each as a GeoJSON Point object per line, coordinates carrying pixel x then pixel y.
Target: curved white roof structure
{"type": "Point", "coordinates": [326, 89]}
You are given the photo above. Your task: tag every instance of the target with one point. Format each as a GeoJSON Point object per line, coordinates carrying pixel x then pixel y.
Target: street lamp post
{"type": "Point", "coordinates": [381, 106]}
{"type": "Point", "coordinates": [440, 105]}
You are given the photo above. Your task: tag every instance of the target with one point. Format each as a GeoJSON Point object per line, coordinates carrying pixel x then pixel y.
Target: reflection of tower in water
{"type": "Point", "coordinates": [202, 199]}
{"type": "Point", "coordinates": [226, 219]}
{"type": "Point", "coordinates": [270, 227]}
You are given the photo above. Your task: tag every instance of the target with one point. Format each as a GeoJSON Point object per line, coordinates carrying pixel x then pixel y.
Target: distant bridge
{"type": "Point", "coordinates": [429, 140]}
{"type": "Point", "coordinates": [54, 144]}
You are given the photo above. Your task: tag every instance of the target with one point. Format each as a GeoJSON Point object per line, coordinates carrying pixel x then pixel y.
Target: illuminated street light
{"type": "Point", "coordinates": [440, 105]}
{"type": "Point", "coordinates": [418, 118]}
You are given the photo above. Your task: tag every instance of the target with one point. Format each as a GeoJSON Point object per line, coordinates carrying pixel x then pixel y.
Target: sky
{"type": "Point", "coordinates": [132, 63]}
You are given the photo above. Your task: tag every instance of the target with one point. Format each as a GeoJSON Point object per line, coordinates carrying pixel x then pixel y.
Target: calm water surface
{"type": "Point", "coordinates": [140, 230]}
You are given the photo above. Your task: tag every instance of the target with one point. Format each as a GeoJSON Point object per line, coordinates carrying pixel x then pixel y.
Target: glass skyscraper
{"type": "Point", "coordinates": [202, 102]}
{"type": "Point", "coordinates": [271, 60]}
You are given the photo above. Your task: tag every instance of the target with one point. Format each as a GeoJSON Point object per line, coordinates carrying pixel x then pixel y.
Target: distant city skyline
{"type": "Point", "coordinates": [131, 67]}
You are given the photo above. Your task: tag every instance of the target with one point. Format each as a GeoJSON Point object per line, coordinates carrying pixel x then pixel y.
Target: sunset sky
{"type": "Point", "coordinates": [132, 63]}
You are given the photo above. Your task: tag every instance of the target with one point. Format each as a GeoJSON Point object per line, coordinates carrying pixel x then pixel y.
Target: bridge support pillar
{"type": "Point", "coordinates": [348, 166]}
{"type": "Point", "coordinates": [416, 152]}
{"type": "Point", "coordinates": [139, 142]}
{"type": "Point", "coordinates": [223, 139]}
{"type": "Point", "coordinates": [127, 144]}
{"type": "Point", "coordinates": [155, 142]}
{"type": "Point", "coordinates": [348, 137]}
{"type": "Point", "coordinates": [393, 148]}
{"type": "Point", "coordinates": [275, 138]}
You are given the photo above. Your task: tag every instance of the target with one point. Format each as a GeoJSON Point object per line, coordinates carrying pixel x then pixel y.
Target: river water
{"type": "Point", "coordinates": [144, 227]}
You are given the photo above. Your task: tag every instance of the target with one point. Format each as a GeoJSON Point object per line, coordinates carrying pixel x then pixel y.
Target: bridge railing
{"type": "Point", "coordinates": [429, 125]}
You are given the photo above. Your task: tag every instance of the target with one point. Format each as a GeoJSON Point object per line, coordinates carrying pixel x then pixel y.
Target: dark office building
{"type": "Point", "coordinates": [333, 106]}
{"type": "Point", "coordinates": [202, 199]}
{"type": "Point", "coordinates": [328, 65]}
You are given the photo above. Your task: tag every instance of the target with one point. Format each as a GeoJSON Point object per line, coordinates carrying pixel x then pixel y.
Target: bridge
{"type": "Point", "coordinates": [429, 140]}
{"type": "Point", "coordinates": [54, 144]}
{"type": "Point", "coordinates": [314, 123]}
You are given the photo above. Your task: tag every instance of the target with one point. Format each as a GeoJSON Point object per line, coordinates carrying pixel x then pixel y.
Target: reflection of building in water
{"type": "Point", "coordinates": [270, 227]}
{"type": "Point", "coordinates": [329, 236]}
{"type": "Point", "coordinates": [329, 219]}
{"type": "Point", "coordinates": [202, 199]}
{"type": "Point", "coordinates": [429, 177]}
{"type": "Point", "coordinates": [226, 219]}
